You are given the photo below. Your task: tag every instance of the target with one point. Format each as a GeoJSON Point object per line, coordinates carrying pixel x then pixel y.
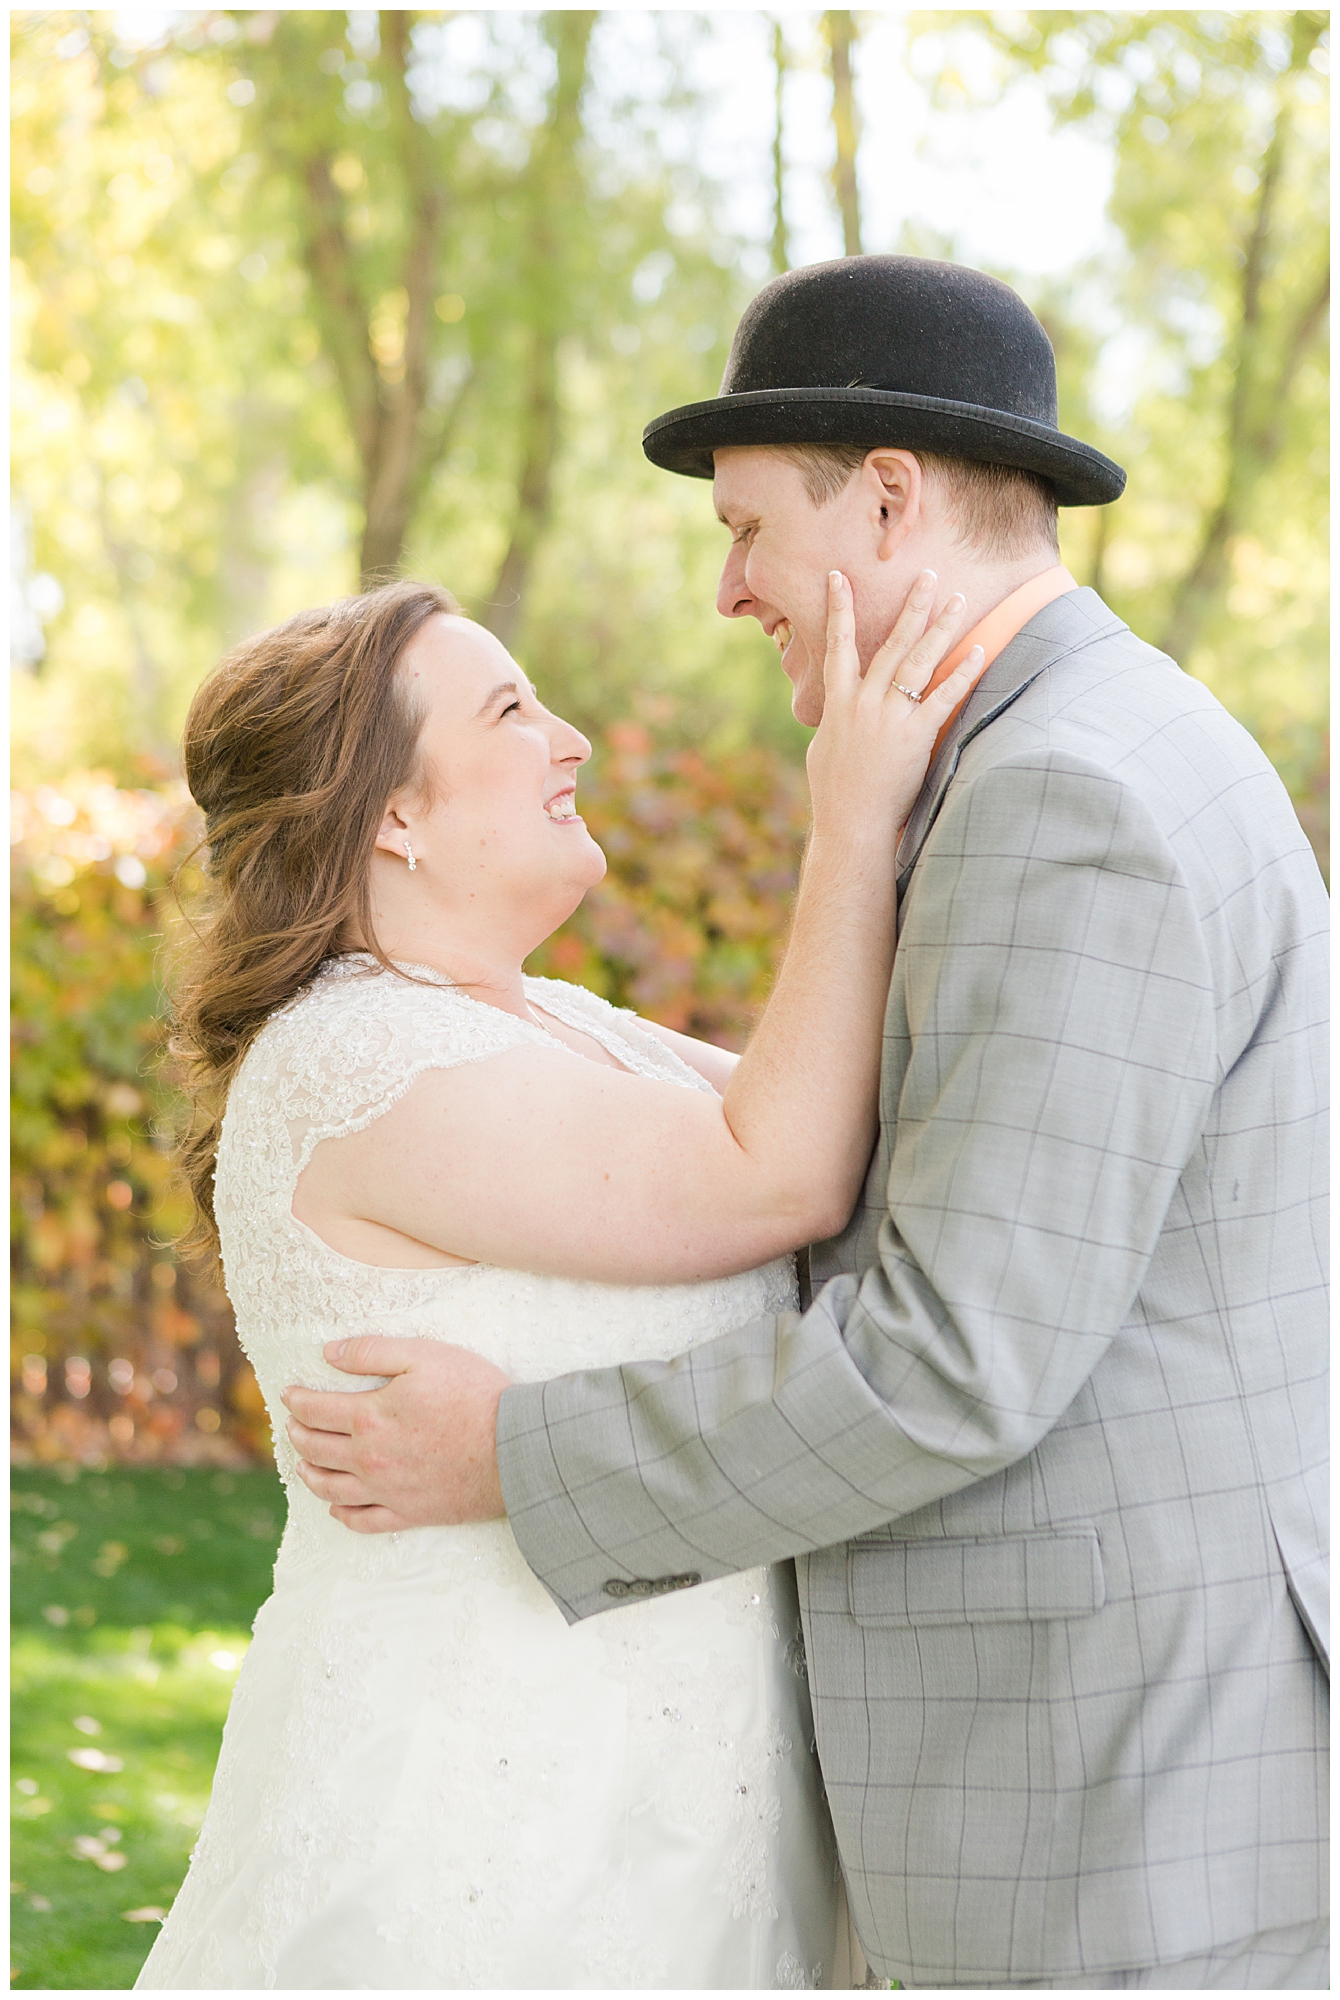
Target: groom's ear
{"type": "Point", "coordinates": [894, 485]}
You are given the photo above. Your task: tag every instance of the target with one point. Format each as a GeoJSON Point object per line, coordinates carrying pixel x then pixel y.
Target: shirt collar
{"type": "Point", "coordinates": [994, 632]}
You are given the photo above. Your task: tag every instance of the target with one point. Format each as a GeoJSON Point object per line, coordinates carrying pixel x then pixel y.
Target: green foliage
{"type": "Point", "coordinates": [188, 406]}
{"type": "Point", "coordinates": [1215, 302]}
{"type": "Point", "coordinates": [154, 395]}
{"type": "Point", "coordinates": [133, 1599]}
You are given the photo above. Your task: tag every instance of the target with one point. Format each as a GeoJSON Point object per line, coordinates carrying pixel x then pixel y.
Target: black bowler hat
{"type": "Point", "coordinates": [890, 350]}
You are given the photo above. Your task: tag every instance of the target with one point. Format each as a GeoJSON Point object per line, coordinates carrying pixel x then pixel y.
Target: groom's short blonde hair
{"type": "Point", "coordinates": [998, 510]}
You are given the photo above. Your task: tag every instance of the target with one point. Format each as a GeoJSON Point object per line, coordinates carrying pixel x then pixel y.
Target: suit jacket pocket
{"type": "Point", "coordinates": [995, 1580]}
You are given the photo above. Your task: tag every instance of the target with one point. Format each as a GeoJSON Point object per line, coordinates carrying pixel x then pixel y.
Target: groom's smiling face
{"type": "Point", "coordinates": [775, 570]}
{"type": "Point", "coordinates": [782, 548]}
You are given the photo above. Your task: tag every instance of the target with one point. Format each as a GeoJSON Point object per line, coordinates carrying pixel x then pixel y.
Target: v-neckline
{"type": "Point", "coordinates": [597, 1035]}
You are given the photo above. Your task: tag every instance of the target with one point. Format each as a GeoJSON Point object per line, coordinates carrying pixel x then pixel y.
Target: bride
{"type": "Point", "coordinates": [427, 1778]}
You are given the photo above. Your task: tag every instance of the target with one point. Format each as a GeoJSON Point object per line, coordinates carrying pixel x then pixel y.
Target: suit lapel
{"type": "Point", "coordinates": [1059, 629]}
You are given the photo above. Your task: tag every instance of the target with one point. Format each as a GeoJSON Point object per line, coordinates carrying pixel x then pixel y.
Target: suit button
{"type": "Point", "coordinates": [650, 1586]}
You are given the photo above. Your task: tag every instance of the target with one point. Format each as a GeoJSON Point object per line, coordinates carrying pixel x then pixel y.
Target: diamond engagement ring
{"type": "Point", "coordinates": [907, 691]}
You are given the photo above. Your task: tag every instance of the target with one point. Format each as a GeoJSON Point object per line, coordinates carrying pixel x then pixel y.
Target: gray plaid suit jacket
{"type": "Point", "coordinates": [1048, 1444]}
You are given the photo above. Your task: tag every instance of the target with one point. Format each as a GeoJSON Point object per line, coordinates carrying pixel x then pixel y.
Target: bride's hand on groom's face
{"type": "Point", "coordinates": [870, 753]}
{"type": "Point", "coordinates": [417, 1453]}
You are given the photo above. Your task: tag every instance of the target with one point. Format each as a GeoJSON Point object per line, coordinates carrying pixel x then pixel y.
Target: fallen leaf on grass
{"type": "Point", "coordinates": [88, 1847]}
{"type": "Point", "coordinates": [95, 1760]}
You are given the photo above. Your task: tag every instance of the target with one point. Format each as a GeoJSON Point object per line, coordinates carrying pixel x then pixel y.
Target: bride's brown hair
{"type": "Point", "coordinates": [293, 746]}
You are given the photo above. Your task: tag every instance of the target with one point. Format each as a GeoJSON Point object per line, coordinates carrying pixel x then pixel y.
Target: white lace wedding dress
{"type": "Point", "coordinates": [428, 1779]}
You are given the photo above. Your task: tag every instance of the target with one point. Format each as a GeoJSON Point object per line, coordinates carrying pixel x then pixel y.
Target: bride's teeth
{"type": "Point", "coordinates": [564, 808]}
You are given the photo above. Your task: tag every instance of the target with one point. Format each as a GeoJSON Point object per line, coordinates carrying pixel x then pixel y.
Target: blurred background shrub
{"type": "Point", "coordinates": [120, 1350]}
{"type": "Point", "coordinates": [123, 1351]}
{"type": "Point", "coordinates": [306, 296]}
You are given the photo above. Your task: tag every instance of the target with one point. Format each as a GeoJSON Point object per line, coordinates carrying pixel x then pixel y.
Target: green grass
{"type": "Point", "coordinates": [133, 1595]}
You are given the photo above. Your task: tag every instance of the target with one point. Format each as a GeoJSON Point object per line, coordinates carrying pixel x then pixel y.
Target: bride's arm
{"type": "Point", "coordinates": [542, 1160]}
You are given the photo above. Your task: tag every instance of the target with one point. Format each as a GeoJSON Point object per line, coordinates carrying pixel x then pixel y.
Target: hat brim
{"type": "Point", "coordinates": [683, 440]}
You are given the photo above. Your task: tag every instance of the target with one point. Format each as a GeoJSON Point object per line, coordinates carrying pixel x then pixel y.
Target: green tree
{"type": "Point", "coordinates": [781, 254]}
{"type": "Point", "coordinates": [553, 197]}
{"type": "Point", "coordinates": [372, 300]}
{"type": "Point", "coordinates": [840, 34]}
{"type": "Point", "coordinates": [382, 192]}
{"type": "Point", "coordinates": [1217, 287]}
{"type": "Point", "coordinates": [159, 381]}
{"type": "Point", "coordinates": [215, 320]}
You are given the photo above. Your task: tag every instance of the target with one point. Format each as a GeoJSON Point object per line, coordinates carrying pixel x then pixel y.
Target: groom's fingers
{"type": "Point", "coordinates": [373, 1354]}
{"type": "Point", "coordinates": [370, 1520]}
{"type": "Point", "coordinates": [348, 1503]}
{"type": "Point", "coordinates": [346, 1498]}
{"type": "Point", "coordinates": [337, 1451]}
{"type": "Point", "coordinates": [342, 1487]}
{"type": "Point", "coordinates": [325, 1409]}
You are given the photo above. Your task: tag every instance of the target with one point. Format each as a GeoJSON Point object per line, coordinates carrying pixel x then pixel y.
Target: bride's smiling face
{"type": "Point", "coordinates": [497, 830]}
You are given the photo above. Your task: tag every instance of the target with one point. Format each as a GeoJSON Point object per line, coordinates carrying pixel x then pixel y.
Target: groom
{"type": "Point", "coordinates": [1047, 1444]}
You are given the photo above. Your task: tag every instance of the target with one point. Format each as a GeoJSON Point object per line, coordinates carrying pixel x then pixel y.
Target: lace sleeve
{"type": "Point", "coordinates": [346, 1050]}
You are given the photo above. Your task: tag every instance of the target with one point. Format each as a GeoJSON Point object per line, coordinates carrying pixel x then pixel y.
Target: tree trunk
{"type": "Point", "coordinates": [781, 256]}
{"type": "Point", "coordinates": [553, 197]}
{"type": "Point", "coordinates": [540, 420]}
{"type": "Point", "coordinates": [1255, 403]}
{"type": "Point", "coordinates": [147, 680]}
{"type": "Point", "coordinates": [841, 40]}
{"type": "Point", "coordinates": [392, 472]}
{"type": "Point", "coordinates": [396, 434]}
{"type": "Point", "coordinates": [1102, 527]}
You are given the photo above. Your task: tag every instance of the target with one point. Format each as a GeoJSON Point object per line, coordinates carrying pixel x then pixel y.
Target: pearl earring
{"type": "Point", "coordinates": [409, 856]}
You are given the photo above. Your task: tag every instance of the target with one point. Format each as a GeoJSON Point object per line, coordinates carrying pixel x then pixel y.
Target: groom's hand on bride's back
{"type": "Point", "coordinates": [418, 1452]}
